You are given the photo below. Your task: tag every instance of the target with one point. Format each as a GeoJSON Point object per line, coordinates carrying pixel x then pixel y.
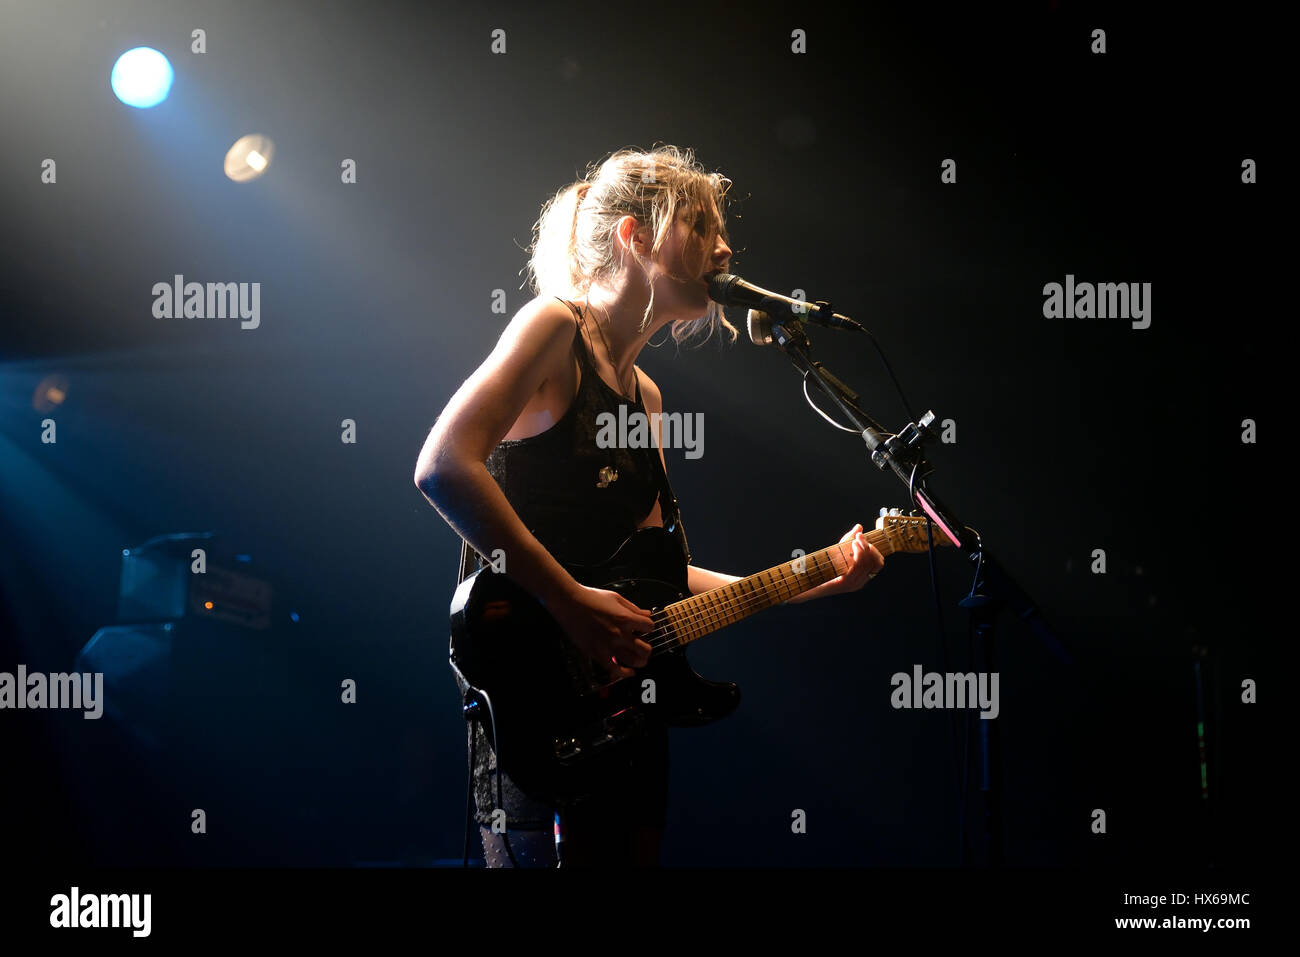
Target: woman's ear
{"type": "Point", "coordinates": [626, 231]}
{"type": "Point", "coordinates": [635, 239]}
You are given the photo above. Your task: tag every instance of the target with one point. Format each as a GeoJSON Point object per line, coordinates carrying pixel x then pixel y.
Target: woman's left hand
{"type": "Point", "coordinates": [864, 565]}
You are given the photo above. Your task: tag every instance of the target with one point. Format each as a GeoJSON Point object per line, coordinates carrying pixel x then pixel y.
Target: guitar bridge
{"type": "Point", "coordinates": [600, 736]}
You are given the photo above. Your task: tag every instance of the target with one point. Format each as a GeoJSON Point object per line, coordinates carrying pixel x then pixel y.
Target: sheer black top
{"type": "Point", "coordinates": [554, 480]}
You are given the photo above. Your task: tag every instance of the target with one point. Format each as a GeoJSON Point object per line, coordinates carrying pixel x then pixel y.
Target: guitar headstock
{"type": "Point", "coordinates": [906, 531]}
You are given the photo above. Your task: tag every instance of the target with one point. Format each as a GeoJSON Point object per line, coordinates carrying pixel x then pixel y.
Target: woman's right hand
{"type": "Point", "coordinates": [605, 625]}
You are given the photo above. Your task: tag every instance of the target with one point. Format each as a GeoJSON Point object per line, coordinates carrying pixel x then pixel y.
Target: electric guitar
{"type": "Point", "coordinates": [559, 720]}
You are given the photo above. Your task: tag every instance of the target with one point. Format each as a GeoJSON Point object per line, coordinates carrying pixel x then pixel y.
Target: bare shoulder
{"type": "Point", "coordinates": [535, 345]}
{"type": "Point", "coordinates": [542, 321]}
{"type": "Point", "coordinates": [521, 377]}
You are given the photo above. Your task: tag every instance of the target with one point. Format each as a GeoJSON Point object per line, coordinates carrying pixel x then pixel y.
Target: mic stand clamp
{"type": "Point", "coordinates": [906, 446]}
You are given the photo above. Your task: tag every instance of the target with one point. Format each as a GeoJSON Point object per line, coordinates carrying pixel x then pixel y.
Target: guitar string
{"type": "Point", "coordinates": [714, 616]}
{"type": "Point", "coordinates": [663, 635]}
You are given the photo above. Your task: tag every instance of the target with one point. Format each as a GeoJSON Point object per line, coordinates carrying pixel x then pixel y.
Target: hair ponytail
{"type": "Point", "coordinates": [573, 239]}
{"type": "Point", "coordinates": [553, 245]}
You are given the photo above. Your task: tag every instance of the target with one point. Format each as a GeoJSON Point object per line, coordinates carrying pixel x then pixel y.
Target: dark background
{"type": "Point", "coordinates": [1072, 435]}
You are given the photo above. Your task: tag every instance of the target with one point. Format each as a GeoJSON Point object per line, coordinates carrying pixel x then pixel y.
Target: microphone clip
{"type": "Point", "coordinates": [791, 331]}
{"type": "Point", "coordinates": [906, 446]}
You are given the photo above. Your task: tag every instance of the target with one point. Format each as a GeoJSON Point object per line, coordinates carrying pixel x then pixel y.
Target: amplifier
{"type": "Point", "coordinates": [159, 584]}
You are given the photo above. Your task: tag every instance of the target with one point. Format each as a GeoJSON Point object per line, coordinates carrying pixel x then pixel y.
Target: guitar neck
{"type": "Point", "coordinates": [703, 614]}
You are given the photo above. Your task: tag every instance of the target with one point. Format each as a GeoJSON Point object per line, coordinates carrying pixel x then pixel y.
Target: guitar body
{"type": "Point", "coordinates": [564, 721]}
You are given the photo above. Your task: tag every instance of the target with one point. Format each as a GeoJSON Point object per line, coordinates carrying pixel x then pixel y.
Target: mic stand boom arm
{"type": "Point", "coordinates": [901, 453]}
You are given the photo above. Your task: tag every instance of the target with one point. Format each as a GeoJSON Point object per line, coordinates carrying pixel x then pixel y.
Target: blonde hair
{"type": "Point", "coordinates": [574, 237]}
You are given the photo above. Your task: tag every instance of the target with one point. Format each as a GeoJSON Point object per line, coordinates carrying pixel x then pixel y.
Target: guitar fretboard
{"type": "Point", "coordinates": [693, 618]}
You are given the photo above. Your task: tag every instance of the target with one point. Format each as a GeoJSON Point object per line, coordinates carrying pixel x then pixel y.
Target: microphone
{"type": "Point", "coordinates": [759, 325]}
{"type": "Point", "coordinates": [730, 290]}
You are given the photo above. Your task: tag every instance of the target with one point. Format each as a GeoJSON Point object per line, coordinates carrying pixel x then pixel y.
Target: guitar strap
{"type": "Point", "coordinates": [672, 515]}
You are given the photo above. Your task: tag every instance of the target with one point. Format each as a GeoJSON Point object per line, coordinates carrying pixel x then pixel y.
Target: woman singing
{"type": "Point", "coordinates": [513, 463]}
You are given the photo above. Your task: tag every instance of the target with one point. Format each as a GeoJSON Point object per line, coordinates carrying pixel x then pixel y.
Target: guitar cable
{"type": "Point", "coordinates": [474, 700]}
{"type": "Point", "coordinates": [960, 778]}
{"type": "Point", "coordinates": [970, 655]}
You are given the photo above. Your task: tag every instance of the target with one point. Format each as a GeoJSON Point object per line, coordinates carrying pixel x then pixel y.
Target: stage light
{"type": "Point", "coordinates": [50, 393]}
{"type": "Point", "coordinates": [249, 157]}
{"type": "Point", "coordinates": [142, 77]}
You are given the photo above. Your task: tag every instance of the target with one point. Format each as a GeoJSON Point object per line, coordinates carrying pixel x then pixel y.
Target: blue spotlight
{"type": "Point", "coordinates": [142, 77]}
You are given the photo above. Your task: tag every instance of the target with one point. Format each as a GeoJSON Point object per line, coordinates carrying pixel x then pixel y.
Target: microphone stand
{"type": "Point", "coordinates": [993, 587]}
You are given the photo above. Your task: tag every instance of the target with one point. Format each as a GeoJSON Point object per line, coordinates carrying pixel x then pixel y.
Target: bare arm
{"type": "Point", "coordinates": [452, 474]}
{"type": "Point", "coordinates": [451, 471]}
{"type": "Point", "coordinates": [701, 579]}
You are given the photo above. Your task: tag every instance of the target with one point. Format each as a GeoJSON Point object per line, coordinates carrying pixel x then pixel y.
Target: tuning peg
{"type": "Point", "coordinates": [895, 512]}
{"type": "Point", "coordinates": [884, 512]}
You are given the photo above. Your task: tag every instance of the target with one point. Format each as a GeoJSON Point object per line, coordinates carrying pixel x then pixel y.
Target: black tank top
{"type": "Point", "coordinates": [579, 500]}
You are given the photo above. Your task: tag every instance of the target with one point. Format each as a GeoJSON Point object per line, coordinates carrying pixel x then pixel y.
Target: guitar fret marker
{"type": "Point", "coordinates": [702, 614]}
